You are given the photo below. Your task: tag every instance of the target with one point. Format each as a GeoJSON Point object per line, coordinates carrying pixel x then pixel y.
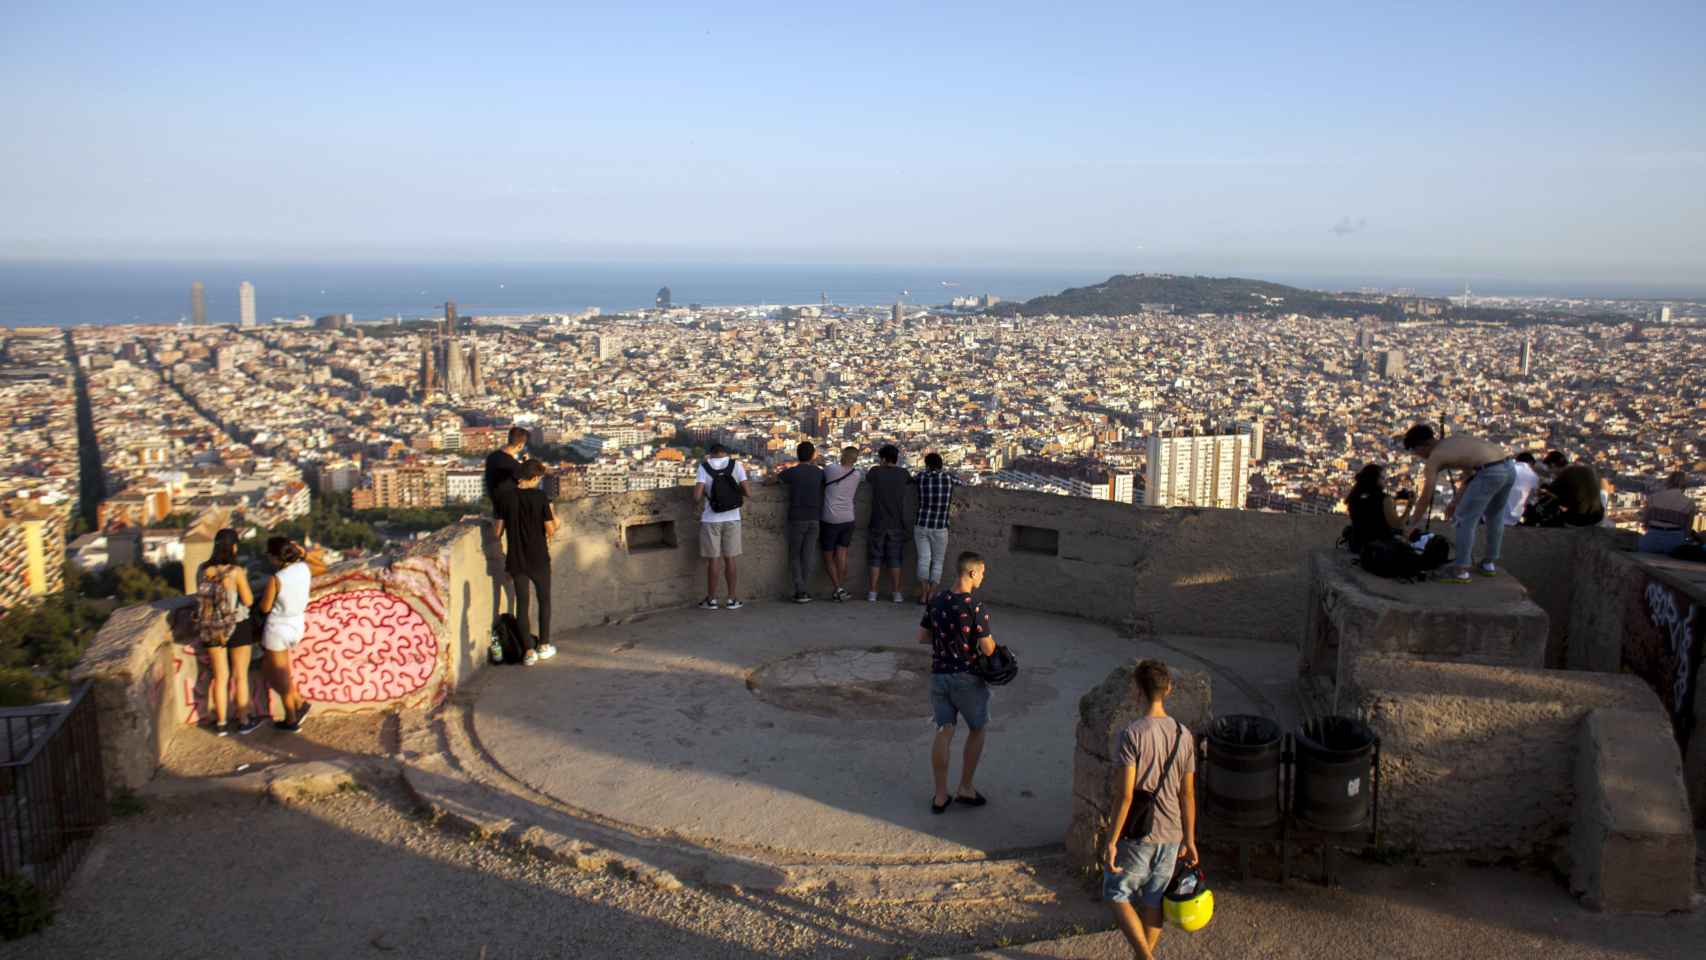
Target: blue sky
{"type": "Point", "coordinates": [1546, 140]}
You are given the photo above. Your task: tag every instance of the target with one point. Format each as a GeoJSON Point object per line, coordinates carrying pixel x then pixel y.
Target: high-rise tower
{"type": "Point", "coordinates": [1526, 359]}
{"type": "Point", "coordinates": [198, 303]}
{"type": "Point", "coordinates": [246, 303]}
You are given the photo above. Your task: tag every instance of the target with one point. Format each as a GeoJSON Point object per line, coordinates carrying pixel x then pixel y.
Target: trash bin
{"type": "Point", "coordinates": [1241, 775]}
{"type": "Point", "coordinates": [1331, 785]}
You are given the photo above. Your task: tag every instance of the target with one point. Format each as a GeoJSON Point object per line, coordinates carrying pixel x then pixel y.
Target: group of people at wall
{"type": "Point", "coordinates": [821, 518]}
{"type": "Point", "coordinates": [1497, 490]}
{"type": "Point", "coordinates": [231, 620]}
{"type": "Point", "coordinates": [525, 524]}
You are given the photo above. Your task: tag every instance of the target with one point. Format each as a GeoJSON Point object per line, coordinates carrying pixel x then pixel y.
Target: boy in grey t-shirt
{"type": "Point", "coordinates": [840, 482]}
{"type": "Point", "coordinates": [1156, 755]}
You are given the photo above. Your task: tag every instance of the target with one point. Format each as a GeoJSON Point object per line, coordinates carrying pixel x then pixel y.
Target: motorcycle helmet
{"type": "Point", "coordinates": [1188, 903]}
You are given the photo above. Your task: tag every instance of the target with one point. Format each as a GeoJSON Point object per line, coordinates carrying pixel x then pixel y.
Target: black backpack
{"type": "Point", "coordinates": [1391, 558]}
{"type": "Point", "coordinates": [726, 493]}
{"type": "Point", "coordinates": [507, 633]}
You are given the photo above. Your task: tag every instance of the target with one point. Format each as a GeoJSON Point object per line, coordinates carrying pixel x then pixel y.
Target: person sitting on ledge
{"type": "Point", "coordinates": [1668, 516]}
{"type": "Point", "coordinates": [1484, 494]}
{"type": "Point", "coordinates": [1572, 498]}
{"type": "Point", "coordinates": [1374, 513]}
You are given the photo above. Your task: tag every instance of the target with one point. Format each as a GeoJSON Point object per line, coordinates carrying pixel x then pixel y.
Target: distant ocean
{"type": "Point", "coordinates": [65, 294]}
{"type": "Point", "coordinates": [70, 293]}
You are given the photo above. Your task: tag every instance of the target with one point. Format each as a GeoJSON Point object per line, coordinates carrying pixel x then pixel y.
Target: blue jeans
{"type": "Point", "coordinates": [1660, 541]}
{"type": "Point", "coordinates": [959, 694]}
{"type": "Point", "coordinates": [1487, 497]}
{"type": "Point", "coordinates": [1147, 869]}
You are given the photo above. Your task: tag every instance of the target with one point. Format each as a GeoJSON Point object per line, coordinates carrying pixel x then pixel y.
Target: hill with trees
{"type": "Point", "coordinates": [1132, 293]}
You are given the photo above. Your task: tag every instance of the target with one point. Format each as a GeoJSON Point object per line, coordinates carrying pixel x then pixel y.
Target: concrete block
{"type": "Point", "coordinates": [297, 782]}
{"type": "Point", "coordinates": [1479, 759]}
{"type": "Point", "coordinates": [1632, 844]}
{"type": "Point", "coordinates": [1352, 613]}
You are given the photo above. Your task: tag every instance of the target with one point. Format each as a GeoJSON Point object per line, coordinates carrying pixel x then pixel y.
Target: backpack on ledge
{"type": "Point", "coordinates": [725, 493]}
{"type": "Point", "coordinates": [1391, 558]}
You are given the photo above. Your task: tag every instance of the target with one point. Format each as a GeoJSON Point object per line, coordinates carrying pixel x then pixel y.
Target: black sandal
{"type": "Point", "coordinates": [975, 800]}
{"type": "Point", "coordinates": [941, 809]}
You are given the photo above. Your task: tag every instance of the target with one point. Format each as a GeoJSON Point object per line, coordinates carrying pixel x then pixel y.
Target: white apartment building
{"type": "Point", "coordinates": [1198, 471]}
{"type": "Point", "coordinates": [464, 486]}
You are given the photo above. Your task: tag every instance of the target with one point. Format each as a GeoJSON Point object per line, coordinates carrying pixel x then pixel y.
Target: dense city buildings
{"type": "Point", "coordinates": [1161, 407]}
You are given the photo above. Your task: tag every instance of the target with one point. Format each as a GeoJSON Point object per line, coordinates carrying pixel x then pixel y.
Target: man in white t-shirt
{"type": "Point", "coordinates": [721, 487]}
{"type": "Point", "coordinates": [1526, 482]}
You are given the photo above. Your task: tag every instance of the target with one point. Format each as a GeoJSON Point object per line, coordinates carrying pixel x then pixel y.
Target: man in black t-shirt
{"type": "Point", "coordinates": [956, 626]}
{"type": "Point", "coordinates": [503, 471]}
{"type": "Point", "coordinates": [527, 556]}
{"type": "Point", "coordinates": [886, 538]}
{"type": "Point", "coordinates": [804, 481]}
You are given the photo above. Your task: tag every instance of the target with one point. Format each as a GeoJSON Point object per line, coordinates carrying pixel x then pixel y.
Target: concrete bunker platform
{"type": "Point", "coordinates": [798, 733]}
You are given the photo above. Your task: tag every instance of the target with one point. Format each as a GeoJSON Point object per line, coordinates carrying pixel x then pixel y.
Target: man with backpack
{"type": "Point", "coordinates": [722, 488]}
{"type": "Point", "coordinates": [1154, 825]}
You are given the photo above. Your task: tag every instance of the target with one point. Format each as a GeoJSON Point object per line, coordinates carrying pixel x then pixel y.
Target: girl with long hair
{"type": "Point", "coordinates": [222, 621]}
{"type": "Point", "coordinates": [285, 602]}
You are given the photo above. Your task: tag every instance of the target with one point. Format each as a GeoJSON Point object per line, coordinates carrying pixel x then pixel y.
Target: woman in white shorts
{"type": "Point", "coordinates": [285, 603]}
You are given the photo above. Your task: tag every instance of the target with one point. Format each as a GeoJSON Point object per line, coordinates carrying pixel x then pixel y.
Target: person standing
{"type": "Point", "coordinates": [956, 626]}
{"type": "Point", "coordinates": [285, 602]}
{"type": "Point", "coordinates": [721, 487]}
{"type": "Point", "coordinates": [930, 533]}
{"type": "Point", "coordinates": [805, 483]}
{"type": "Point", "coordinates": [840, 484]}
{"type": "Point", "coordinates": [1484, 494]}
{"type": "Point", "coordinates": [527, 558]}
{"type": "Point", "coordinates": [222, 620]}
{"type": "Point", "coordinates": [503, 471]}
{"type": "Point", "coordinates": [1157, 761]}
{"type": "Point", "coordinates": [886, 536]}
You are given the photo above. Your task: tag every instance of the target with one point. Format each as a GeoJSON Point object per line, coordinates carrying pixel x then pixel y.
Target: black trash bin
{"type": "Point", "coordinates": [1331, 783]}
{"type": "Point", "coordinates": [1241, 775]}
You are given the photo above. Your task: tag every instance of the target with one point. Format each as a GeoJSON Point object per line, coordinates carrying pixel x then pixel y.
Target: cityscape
{"type": "Point", "coordinates": [1157, 408]}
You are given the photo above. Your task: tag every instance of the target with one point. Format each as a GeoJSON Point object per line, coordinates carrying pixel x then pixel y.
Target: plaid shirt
{"type": "Point", "coordinates": [935, 495]}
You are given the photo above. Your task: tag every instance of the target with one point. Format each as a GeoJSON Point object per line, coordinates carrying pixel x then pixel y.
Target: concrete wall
{"type": "Point", "coordinates": [1647, 615]}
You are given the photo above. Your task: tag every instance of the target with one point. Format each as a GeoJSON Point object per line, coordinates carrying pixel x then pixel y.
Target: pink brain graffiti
{"type": "Point", "coordinates": [364, 646]}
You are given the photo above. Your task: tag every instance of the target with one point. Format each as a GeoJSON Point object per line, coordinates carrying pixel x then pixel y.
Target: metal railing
{"type": "Point", "coordinates": [53, 793]}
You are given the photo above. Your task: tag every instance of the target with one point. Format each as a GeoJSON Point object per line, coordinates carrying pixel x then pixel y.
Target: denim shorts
{"type": "Point", "coordinates": [1148, 869]}
{"type": "Point", "coordinates": [954, 695]}
{"type": "Point", "coordinates": [834, 536]}
{"type": "Point", "coordinates": [884, 547]}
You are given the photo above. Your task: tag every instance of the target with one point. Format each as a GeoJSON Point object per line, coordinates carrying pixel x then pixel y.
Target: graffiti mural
{"type": "Point", "coordinates": [364, 646]}
{"type": "Point", "coordinates": [1663, 647]}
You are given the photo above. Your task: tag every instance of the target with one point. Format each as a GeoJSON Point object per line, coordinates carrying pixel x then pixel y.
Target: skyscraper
{"type": "Point", "coordinates": [1198, 471]}
{"type": "Point", "coordinates": [450, 316]}
{"type": "Point", "coordinates": [246, 303]}
{"type": "Point", "coordinates": [899, 314]}
{"type": "Point", "coordinates": [609, 346]}
{"type": "Point", "coordinates": [663, 300]}
{"type": "Point", "coordinates": [1526, 359]}
{"type": "Point", "coordinates": [198, 303]}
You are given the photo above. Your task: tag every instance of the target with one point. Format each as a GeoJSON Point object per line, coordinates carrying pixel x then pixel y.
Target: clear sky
{"type": "Point", "coordinates": [1526, 139]}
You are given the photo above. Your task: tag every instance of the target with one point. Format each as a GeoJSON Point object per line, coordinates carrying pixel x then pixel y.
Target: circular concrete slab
{"type": "Point", "coordinates": [801, 730]}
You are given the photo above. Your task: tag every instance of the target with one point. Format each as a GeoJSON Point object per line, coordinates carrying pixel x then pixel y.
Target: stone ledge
{"type": "Point", "coordinates": [1632, 845]}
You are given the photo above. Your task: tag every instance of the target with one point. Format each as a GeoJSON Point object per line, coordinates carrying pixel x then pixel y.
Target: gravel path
{"type": "Point", "coordinates": [356, 875]}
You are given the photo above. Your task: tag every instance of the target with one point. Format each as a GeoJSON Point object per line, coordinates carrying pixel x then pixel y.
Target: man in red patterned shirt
{"type": "Point", "coordinates": [957, 628]}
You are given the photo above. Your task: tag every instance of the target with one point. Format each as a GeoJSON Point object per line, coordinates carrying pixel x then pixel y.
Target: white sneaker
{"type": "Point", "coordinates": [733, 604]}
{"type": "Point", "coordinates": [900, 598]}
{"type": "Point", "coordinates": [871, 597]}
{"type": "Point", "coordinates": [546, 651]}
{"type": "Point", "coordinates": [531, 658]}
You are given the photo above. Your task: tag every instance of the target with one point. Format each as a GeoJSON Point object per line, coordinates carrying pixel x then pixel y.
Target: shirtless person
{"type": "Point", "coordinates": [1484, 493]}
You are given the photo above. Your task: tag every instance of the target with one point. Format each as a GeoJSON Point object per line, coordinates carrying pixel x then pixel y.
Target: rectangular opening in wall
{"type": "Point", "coordinates": [640, 537]}
{"type": "Point", "coordinates": [1036, 540]}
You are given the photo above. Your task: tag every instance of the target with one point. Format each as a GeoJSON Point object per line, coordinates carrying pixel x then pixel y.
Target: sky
{"type": "Point", "coordinates": [1546, 140]}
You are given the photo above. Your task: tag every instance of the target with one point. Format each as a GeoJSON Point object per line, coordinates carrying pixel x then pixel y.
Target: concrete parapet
{"type": "Point", "coordinates": [1352, 613]}
{"type": "Point", "coordinates": [1479, 759]}
{"type": "Point", "coordinates": [140, 704]}
{"type": "Point", "coordinates": [1632, 844]}
{"type": "Point", "coordinates": [1103, 714]}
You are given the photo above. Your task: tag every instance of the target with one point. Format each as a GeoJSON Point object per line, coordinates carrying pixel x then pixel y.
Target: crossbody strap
{"type": "Point", "coordinates": [1170, 755]}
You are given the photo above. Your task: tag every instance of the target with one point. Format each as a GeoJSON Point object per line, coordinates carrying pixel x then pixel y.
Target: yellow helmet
{"type": "Point", "coordinates": [1189, 903]}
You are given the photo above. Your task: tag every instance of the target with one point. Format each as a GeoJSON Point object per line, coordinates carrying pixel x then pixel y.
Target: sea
{"type": "Point", "coordinates": [70, 293]}
{"type": "Point", "coordinates": [73, 293]}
